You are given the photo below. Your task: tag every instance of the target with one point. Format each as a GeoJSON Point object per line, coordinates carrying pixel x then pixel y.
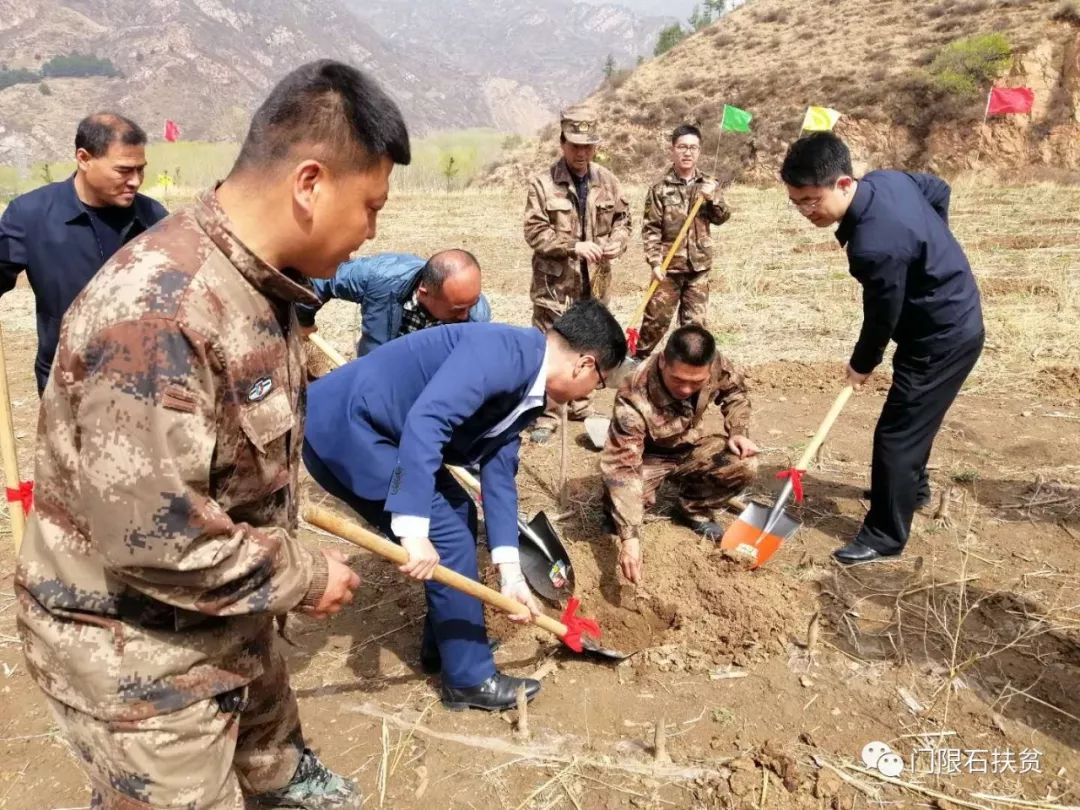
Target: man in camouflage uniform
{"type": "Point", "coordinates": [657, 432]}
{"type": "Point", "coordinates": [667, 205]}
{"type": "Point", "coordinates": [163, 541]}
{"type": "Point", "coordinates": [576, 221]}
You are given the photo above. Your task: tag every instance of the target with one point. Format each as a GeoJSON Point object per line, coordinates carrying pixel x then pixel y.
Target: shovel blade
{"type": "Point", "coordinates": [596, 427]}
{"type": "Point", "coordinates": [552, 578]}
{"type": "Point", "coordinates": [746, 538]}
{"type": "Point", "coordinates": [592, 647]}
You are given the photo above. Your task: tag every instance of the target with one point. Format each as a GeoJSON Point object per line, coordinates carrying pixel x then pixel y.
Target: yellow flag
{"type": "Point", "coordinates": [820, 119]}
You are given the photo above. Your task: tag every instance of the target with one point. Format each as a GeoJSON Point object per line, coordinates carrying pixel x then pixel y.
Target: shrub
{"type": "Point", "coordinates": [16, 76]}
{"type": "Point", "coordinates": [44, 89]}
{"type": "Point", "coordinates": [78, 65]}
{"type": "Point", "coordinates": [1067, 12]}
{"type": "Point", "coordinates": [965, 66]}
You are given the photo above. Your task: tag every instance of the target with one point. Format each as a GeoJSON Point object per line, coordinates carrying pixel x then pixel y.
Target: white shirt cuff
{"type": "Point", "coordinates": [505, 554]}
{"type": "Point", "coordinates": [409, 525]}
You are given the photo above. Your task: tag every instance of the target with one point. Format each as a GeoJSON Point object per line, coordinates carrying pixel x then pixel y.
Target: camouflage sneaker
{"type": "Point", "coordinates": [314, 787]}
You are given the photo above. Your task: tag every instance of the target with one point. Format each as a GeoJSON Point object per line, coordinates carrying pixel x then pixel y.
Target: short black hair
{"type": "Point", "coordinates": [589, 328]}
{"type": "Point", "coordinates": [819, 159]}
{"type": "Point", "coordinates": [685, 129]}
{"type": "Point", "coordinates": [331, 111]}
{"type": "Point", "coordinates": [692, 344]}
{"type": "Point", "coordinates": [97, 132]}
{"type": "Point", "coordinates": [442, 264]}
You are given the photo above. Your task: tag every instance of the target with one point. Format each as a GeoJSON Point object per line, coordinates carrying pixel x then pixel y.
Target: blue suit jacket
{"type": "Point", "coordinates": [433, 395]}
{"type": "Point", "coordinates": [381, 284]}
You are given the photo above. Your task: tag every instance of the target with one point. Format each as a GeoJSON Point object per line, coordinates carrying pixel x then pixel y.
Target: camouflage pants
{"type": "Point", "coordinates": [688, 291]}
{"type": "Point", "coordinates": [706, 477]}
{"type": "Point", "coordinates": [543, 318]}
{"type": "Point", "coordinates": [207, 755]}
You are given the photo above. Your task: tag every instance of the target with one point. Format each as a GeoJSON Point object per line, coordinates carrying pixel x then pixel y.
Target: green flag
{"type": "Point", "coordinates": [735, 120]}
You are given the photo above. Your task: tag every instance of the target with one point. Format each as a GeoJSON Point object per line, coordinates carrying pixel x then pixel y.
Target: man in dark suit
{"type": "Point", "coordinates": [918, 290]}
{"type": "Point", "coordinates": [61, 234]}
{"type": "Point", "coordinates": [381, 428]}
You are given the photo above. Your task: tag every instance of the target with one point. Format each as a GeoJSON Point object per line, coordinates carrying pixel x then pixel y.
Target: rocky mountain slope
{"type": "Point", "coordinates": [868, 60]}
{"type": "Point", "coordinates": [207, 63]}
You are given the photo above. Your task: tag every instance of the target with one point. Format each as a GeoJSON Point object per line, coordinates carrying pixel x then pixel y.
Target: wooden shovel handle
{"type": "Point", "coordinates": [358, 535]}
{"type": "Point", "coordinates": [826, 426]}
{"type": "Point", "coordinates": [8, 452]}
{"type": "Point", "coordinates": [640, 311]}
{"type": "Point", "coordinates": [333, 354]}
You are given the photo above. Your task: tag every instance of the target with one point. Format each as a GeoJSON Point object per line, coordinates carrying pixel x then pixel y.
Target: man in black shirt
{"type": "Point", "coordinates": [61, 234]}
{"type": "Point", "coordinates": [918, 290]}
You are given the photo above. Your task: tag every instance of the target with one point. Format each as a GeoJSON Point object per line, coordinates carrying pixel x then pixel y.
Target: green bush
{"type": "Point", "coordinates": [78, 65]}
{"type": "Point", "coordinates": [16, 76]}
{"type": "Point", "coordinates": [669, 38]}
{"type": "Point", "coordinates": [965, 67]}
{"type": "Point", "coordinates": [44, 89]}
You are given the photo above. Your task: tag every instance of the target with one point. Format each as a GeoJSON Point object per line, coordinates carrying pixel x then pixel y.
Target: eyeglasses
{"type": "Point", "coordinates": [807, 206]}
{"type": "Point", "coordinates": [596, 368]}
{"type": "Point", "coordinates": [693, 149]}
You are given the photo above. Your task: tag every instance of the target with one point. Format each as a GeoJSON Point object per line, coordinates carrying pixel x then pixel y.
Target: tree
{"type": "Point", "coordinates": [450, 170]}
{"type": "Point", "coordinates": [609, 67]}
{"type": "Point", "coordinates": [718, 7]}
{"type": "Point", "coordinates": [78, 65]}
{"type": "Point", "coordinates": [669, 38]}
{"type": "Point", "coordinates": [700, 18]}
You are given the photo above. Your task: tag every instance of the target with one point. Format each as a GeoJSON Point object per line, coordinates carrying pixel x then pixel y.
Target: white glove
{"type": "Point", "coordinates": [513, 584]}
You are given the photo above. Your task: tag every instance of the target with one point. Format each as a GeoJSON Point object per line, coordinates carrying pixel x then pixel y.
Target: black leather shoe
{"type": "Point", "coordinates": [920, 502]}
{"type": "Point", "coordinates": [855, 552]}
{"type": "Point", "coordinates": [431, 661]}
{"type": "Point", "coordinates": [497, 693]}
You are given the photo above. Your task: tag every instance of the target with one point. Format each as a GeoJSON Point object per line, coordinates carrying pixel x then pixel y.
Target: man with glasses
{"type": "Point", "coordinates": [918, 290]}
{"type": "Point", "coordinates": [667, 205]}
{"type": "Point", "coordinates": [658, 432]}
{"type": "Point", "coordinates": [381, 428]}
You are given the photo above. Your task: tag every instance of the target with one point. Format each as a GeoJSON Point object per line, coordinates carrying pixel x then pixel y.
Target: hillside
{"type": "Point", "coordinates": [542, 55]}
{"type": "Point", "coordinates": [868, 60]}
{"type": "Point", "coordinates": [207, 63]}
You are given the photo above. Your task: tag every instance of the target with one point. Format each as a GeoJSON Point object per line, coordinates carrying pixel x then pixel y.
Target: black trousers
{"type": "Point", "coordinates": [923, 389]}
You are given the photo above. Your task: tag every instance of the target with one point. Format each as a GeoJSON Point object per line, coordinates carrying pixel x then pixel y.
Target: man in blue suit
{"type": "Point", "coordinates": [400, 293]}
{"type": "Point", "coordinates": [380, 429]}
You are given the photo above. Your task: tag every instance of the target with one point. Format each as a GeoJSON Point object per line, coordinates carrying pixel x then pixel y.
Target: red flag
{"type": "Point", "coordinates": [1005, 100]}
{"type": "Point", "coordinates": [172, 131]}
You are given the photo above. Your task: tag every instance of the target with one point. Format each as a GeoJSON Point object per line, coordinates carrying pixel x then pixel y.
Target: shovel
{"type": "Point", "coordinates": [632, 332]}
{"type": "Point", "coordinates": [19, 493]}
{"type": "Point", "coordinates": [576, 632]}
{"type": "Point", "coordinates": [544, 560]}
{"type": "Point", "coordinates": [759, 531]}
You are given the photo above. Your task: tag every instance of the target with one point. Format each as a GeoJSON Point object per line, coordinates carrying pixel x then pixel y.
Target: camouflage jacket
{"type": "Point", "coordinates": [666, 207]}
{"type": "Point", "coordinates": [552, 227]}
{"type": "Point", "coordinates": [647, 420]}
{"type": "Point", "coordinates": [163, 532]}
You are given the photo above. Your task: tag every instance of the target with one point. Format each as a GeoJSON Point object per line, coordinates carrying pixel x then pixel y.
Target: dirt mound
{"type": "Point", "coordinates": [824, 377]}
{"type": "Point", "coordinates": [1059, 383]}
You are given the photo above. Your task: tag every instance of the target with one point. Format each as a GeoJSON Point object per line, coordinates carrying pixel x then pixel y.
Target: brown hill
{"type": "Point", "coordinates": [867, 59]}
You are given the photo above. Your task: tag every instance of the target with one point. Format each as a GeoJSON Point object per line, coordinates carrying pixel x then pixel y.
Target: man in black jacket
{"type": "Point", "coordinates": [61, 234]}
{"type": "Point", "coordinates": [918, 290]}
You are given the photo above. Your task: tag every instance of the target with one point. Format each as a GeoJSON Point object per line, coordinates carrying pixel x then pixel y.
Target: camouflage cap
{"type": "Point", "coordinates": [579, 124]}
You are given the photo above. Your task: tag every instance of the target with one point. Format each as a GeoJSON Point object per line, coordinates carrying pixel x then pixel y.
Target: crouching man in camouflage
{"type": "Point", "coordinates": [163, 540]}
{"type": "Point", "coordinates": [658, 431]}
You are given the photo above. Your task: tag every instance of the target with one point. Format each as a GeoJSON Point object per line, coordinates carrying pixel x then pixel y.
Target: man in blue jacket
{"type": "Point", "coordinates": [61, 234]}
{"type": "Point", "coordinates": [400, 293]}
{"type": "Point", "coordinates": [919, 291]}
{"type": "Point", "coordinates": [381, 428]}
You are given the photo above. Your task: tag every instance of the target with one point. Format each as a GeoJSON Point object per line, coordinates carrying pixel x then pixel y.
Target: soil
{"type": "Point", "coordinates": [970, 641]}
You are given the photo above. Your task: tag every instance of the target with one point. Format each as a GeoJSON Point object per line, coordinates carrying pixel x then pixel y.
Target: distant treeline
{"type": "Point", "coordinates": [73, 65]}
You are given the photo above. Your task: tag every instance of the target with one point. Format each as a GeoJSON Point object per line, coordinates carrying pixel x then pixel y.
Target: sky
{"type": "Point", "coordinates": [662, 8]}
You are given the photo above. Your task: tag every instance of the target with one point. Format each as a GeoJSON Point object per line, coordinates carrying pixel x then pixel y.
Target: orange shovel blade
{"type": "Point", "coordinates": [746, 542]}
